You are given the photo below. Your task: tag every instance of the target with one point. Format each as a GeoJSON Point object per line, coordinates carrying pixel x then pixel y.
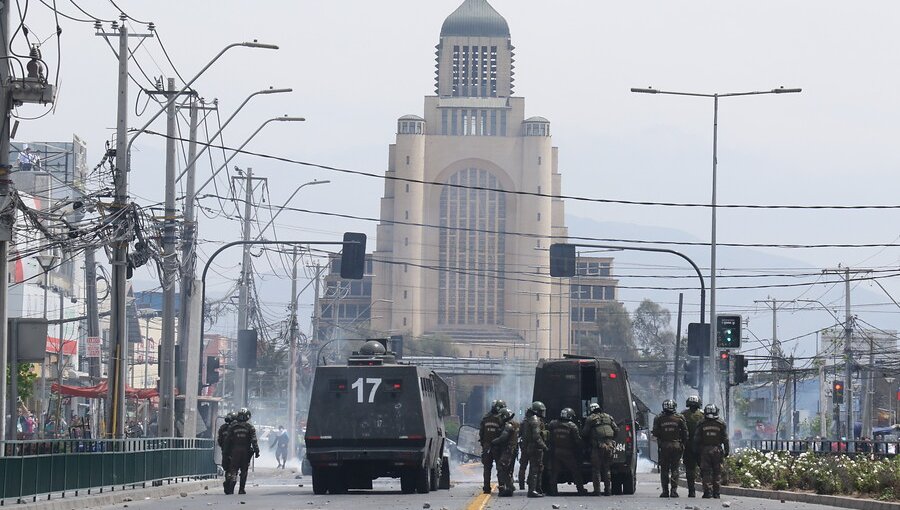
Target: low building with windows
{"type": "Point", "coordinates": [589, 292]}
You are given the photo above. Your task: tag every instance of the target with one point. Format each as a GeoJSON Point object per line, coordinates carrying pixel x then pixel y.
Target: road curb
{"type": "Point", "coordinates": [83, 501]}
{"type": "Point", "coordinates": [804, 497]}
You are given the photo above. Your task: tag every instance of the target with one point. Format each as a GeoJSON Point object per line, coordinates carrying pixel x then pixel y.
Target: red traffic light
{"type": "Point", "coordinates": [723, 355]}
{"type": "Point", "coordinates": [838, 386]}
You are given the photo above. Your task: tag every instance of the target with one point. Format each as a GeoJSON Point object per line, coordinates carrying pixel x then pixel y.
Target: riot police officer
{"type": "Point", "coordinates": [600, 430]}
{"type": "Point", "coordinates": [535, 446]}
{"type": "Point", "coordinates": [241, 443]}
{"type": "Point", "coordinates": [693, 415]}
{"type": "Point", "coordinates": [490, 429]}
{"type": "Point", "coordinates": [523, 457]}
{"type": "Point", "coordinates": [222, 440]}
{"type": "Point", "coordinates": [506, 446]}
{"type": "Point", "coordinates": [711, 441]}
{"type": "Point", "coordinates": [565, 441]}
{"type": "Point", "coordinates": [671, 433]}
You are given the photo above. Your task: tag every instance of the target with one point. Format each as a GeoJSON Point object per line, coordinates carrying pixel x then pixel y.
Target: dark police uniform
{"type": "Point", "coordinates": [711, 441]}
{"type": "Point", "coordinates": [600, 430]}
{"type": "Point", "coordinates": [506, 446]}
{"type": "Point", "coordinates": [241, 444]}
{"type": "Point", "coordinates": [671, 432]}
{"type": "Point", "coordinates": [523, 457]}
{"type": "Point", "coordinates": [222, 441]}
{"type": "Point", "coordinates": [692, 417]}
{"type": "Point", "coordinates": [535, 446]}
{"type": "Point", "coordinates": [565, 441]}
{"type": "Point", "coordinates": [490, 429]}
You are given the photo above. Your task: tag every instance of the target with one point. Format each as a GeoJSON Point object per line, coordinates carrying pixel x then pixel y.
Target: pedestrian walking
{"type": "Point", "coordinates": [281, 446]}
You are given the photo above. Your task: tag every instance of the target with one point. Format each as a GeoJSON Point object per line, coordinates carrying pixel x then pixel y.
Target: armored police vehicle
{"type": "Point", "coordinates": [576, 382]}
{"type": "Point", "coordinates": [376, 418]}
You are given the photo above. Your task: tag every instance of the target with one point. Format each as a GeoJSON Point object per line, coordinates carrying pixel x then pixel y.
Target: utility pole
{"type": "Point", "coordinates": [845, 273]}
{"type": "Point", "coordinates": [167, 359]}
{"type": "Point", "coordinates": [118, 346]}
{"type": "Point", "coordinates": [316, 313]}
{"type": "Point", "coordinates": [292, 366]}
{"type": "Point", "coordinates": [240, 389]}
{"type": "Point", "coordinates": [777, 364]}
{"type": "Point", "coordinates": [8, 217]}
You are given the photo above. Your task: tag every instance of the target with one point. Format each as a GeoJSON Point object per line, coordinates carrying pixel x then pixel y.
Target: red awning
{"type": "Point", "coordinates": [100, 390]}
{"type": "Point", "coordinates": [69, 347]}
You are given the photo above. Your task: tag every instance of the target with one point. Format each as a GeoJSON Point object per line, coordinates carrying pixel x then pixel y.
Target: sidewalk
{"type": "Point", "coordinates": [119, 496]}
{"type": "Point", "coordinates": [806, 497]}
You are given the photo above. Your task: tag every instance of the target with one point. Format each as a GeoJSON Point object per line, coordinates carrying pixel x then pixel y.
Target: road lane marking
{"type": "Point", "coordinates": [480, 501]}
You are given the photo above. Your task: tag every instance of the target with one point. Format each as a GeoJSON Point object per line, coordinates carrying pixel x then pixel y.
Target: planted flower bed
{"type": "Point", "coordinates": [827, 474]}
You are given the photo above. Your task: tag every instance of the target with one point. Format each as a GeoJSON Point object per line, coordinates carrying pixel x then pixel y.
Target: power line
{"type": "Point", "coordinates": [546, 195]}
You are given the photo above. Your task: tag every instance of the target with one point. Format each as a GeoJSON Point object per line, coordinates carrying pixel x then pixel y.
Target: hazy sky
{"type": "Point", "coordinates": [358, 65]}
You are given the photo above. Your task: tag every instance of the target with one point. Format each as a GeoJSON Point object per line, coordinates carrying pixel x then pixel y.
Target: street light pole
{"type": "Point", "coordinates": [712, 368]}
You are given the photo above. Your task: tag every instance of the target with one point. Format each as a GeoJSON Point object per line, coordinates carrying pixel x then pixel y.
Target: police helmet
{"type": "Point", "coordinates": [711, 411]}
{"type": "Point", "coordinates": [538, 408]}
{"type": "Point", "coordinates": [243, 414]}
{"type": "Point", "coordinates": [694, 402]}
{"type": "Point", "coordinates": [506, 414]}
{"type": "Point", "coordinates": [669, 406]}
{"type": "Point", "coordinates": [594, 408]}
{"type": "Point", "coordinates": [567, 414]}
{"type": "Point", "coordinates": [497, 405]}
{"type": "Point", "coordinates": [230, 417]}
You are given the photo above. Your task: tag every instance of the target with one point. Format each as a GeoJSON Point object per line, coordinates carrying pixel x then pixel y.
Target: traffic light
{"type": "Point", "coordinates": [740, 368]}
{"type": "Point", "coordinates": [692, 373]}
{"type": "Point", "coordinates": [562, 260]}
{"type": "Point", "coordinates": [837, 392]}
{"type": "Point", "coordinates": [728, 331]}
{"type": "Point", "coordinates": [212, 369]}
{"type": "Point", "coordinates": [698, 339]}
{"type": "Point", "coordinates": [723, 361]}
{"type": "Point", "coordinates": [353, 256]}
{"type": "Point", "coordinates": [246, 351]}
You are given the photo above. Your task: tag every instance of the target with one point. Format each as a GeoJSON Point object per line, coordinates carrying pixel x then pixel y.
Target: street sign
{"type": "Point", "coordinates": [92, 347]}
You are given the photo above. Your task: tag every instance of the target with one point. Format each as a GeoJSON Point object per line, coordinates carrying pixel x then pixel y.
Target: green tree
{"type": "Point", "coordinates": [25, 379]}
{"type": "Point", "coordinates": [653, 334]}
{"type": "Point", "coordinates": [613, 338]}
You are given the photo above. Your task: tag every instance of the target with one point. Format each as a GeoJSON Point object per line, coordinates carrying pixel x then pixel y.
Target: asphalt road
{"type": "Point", "coordinates": [276, 490]}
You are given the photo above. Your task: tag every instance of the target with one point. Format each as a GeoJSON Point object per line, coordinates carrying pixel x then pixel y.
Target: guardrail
{"type": "Point", "coordinates": [825, 447]}
{"type": "Point", "coordinates": [35, 468]}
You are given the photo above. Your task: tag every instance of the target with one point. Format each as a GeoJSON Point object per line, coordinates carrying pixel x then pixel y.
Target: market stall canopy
{"type": "Point", "coordinates": [100, 391]}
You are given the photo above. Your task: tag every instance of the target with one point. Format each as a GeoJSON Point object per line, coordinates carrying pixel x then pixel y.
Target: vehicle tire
{"type": "Point", "coordinates": [435, 475]}
{"type": "Point", "coordinates": [444, 483]}
{"type": "Point", "coordinates": [408, 482]}
{"type": "Point", "coordinates": [338, 484]}
{"type": "Point", "coordinates": [320, 482]}
{"type": "Point", "coordinates": [616, 480]}
{"type": "Point", "coordinates": [423, 481]}
{"type": "Point", "coordinates": [629, 484]}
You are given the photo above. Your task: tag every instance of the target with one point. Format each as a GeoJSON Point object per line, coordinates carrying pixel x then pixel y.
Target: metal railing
{"type": "Point", "coordinates": [67, 466]}
{"type": "Point", "coordinates": [825, 447]}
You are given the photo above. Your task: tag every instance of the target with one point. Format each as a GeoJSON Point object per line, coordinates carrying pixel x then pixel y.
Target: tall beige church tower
{"type": "Point", "coordinates": [462, 243]}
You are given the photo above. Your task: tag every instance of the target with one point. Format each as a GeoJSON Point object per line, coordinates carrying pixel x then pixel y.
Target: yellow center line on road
{"type": "Point", "coordinates": [479, 502]}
